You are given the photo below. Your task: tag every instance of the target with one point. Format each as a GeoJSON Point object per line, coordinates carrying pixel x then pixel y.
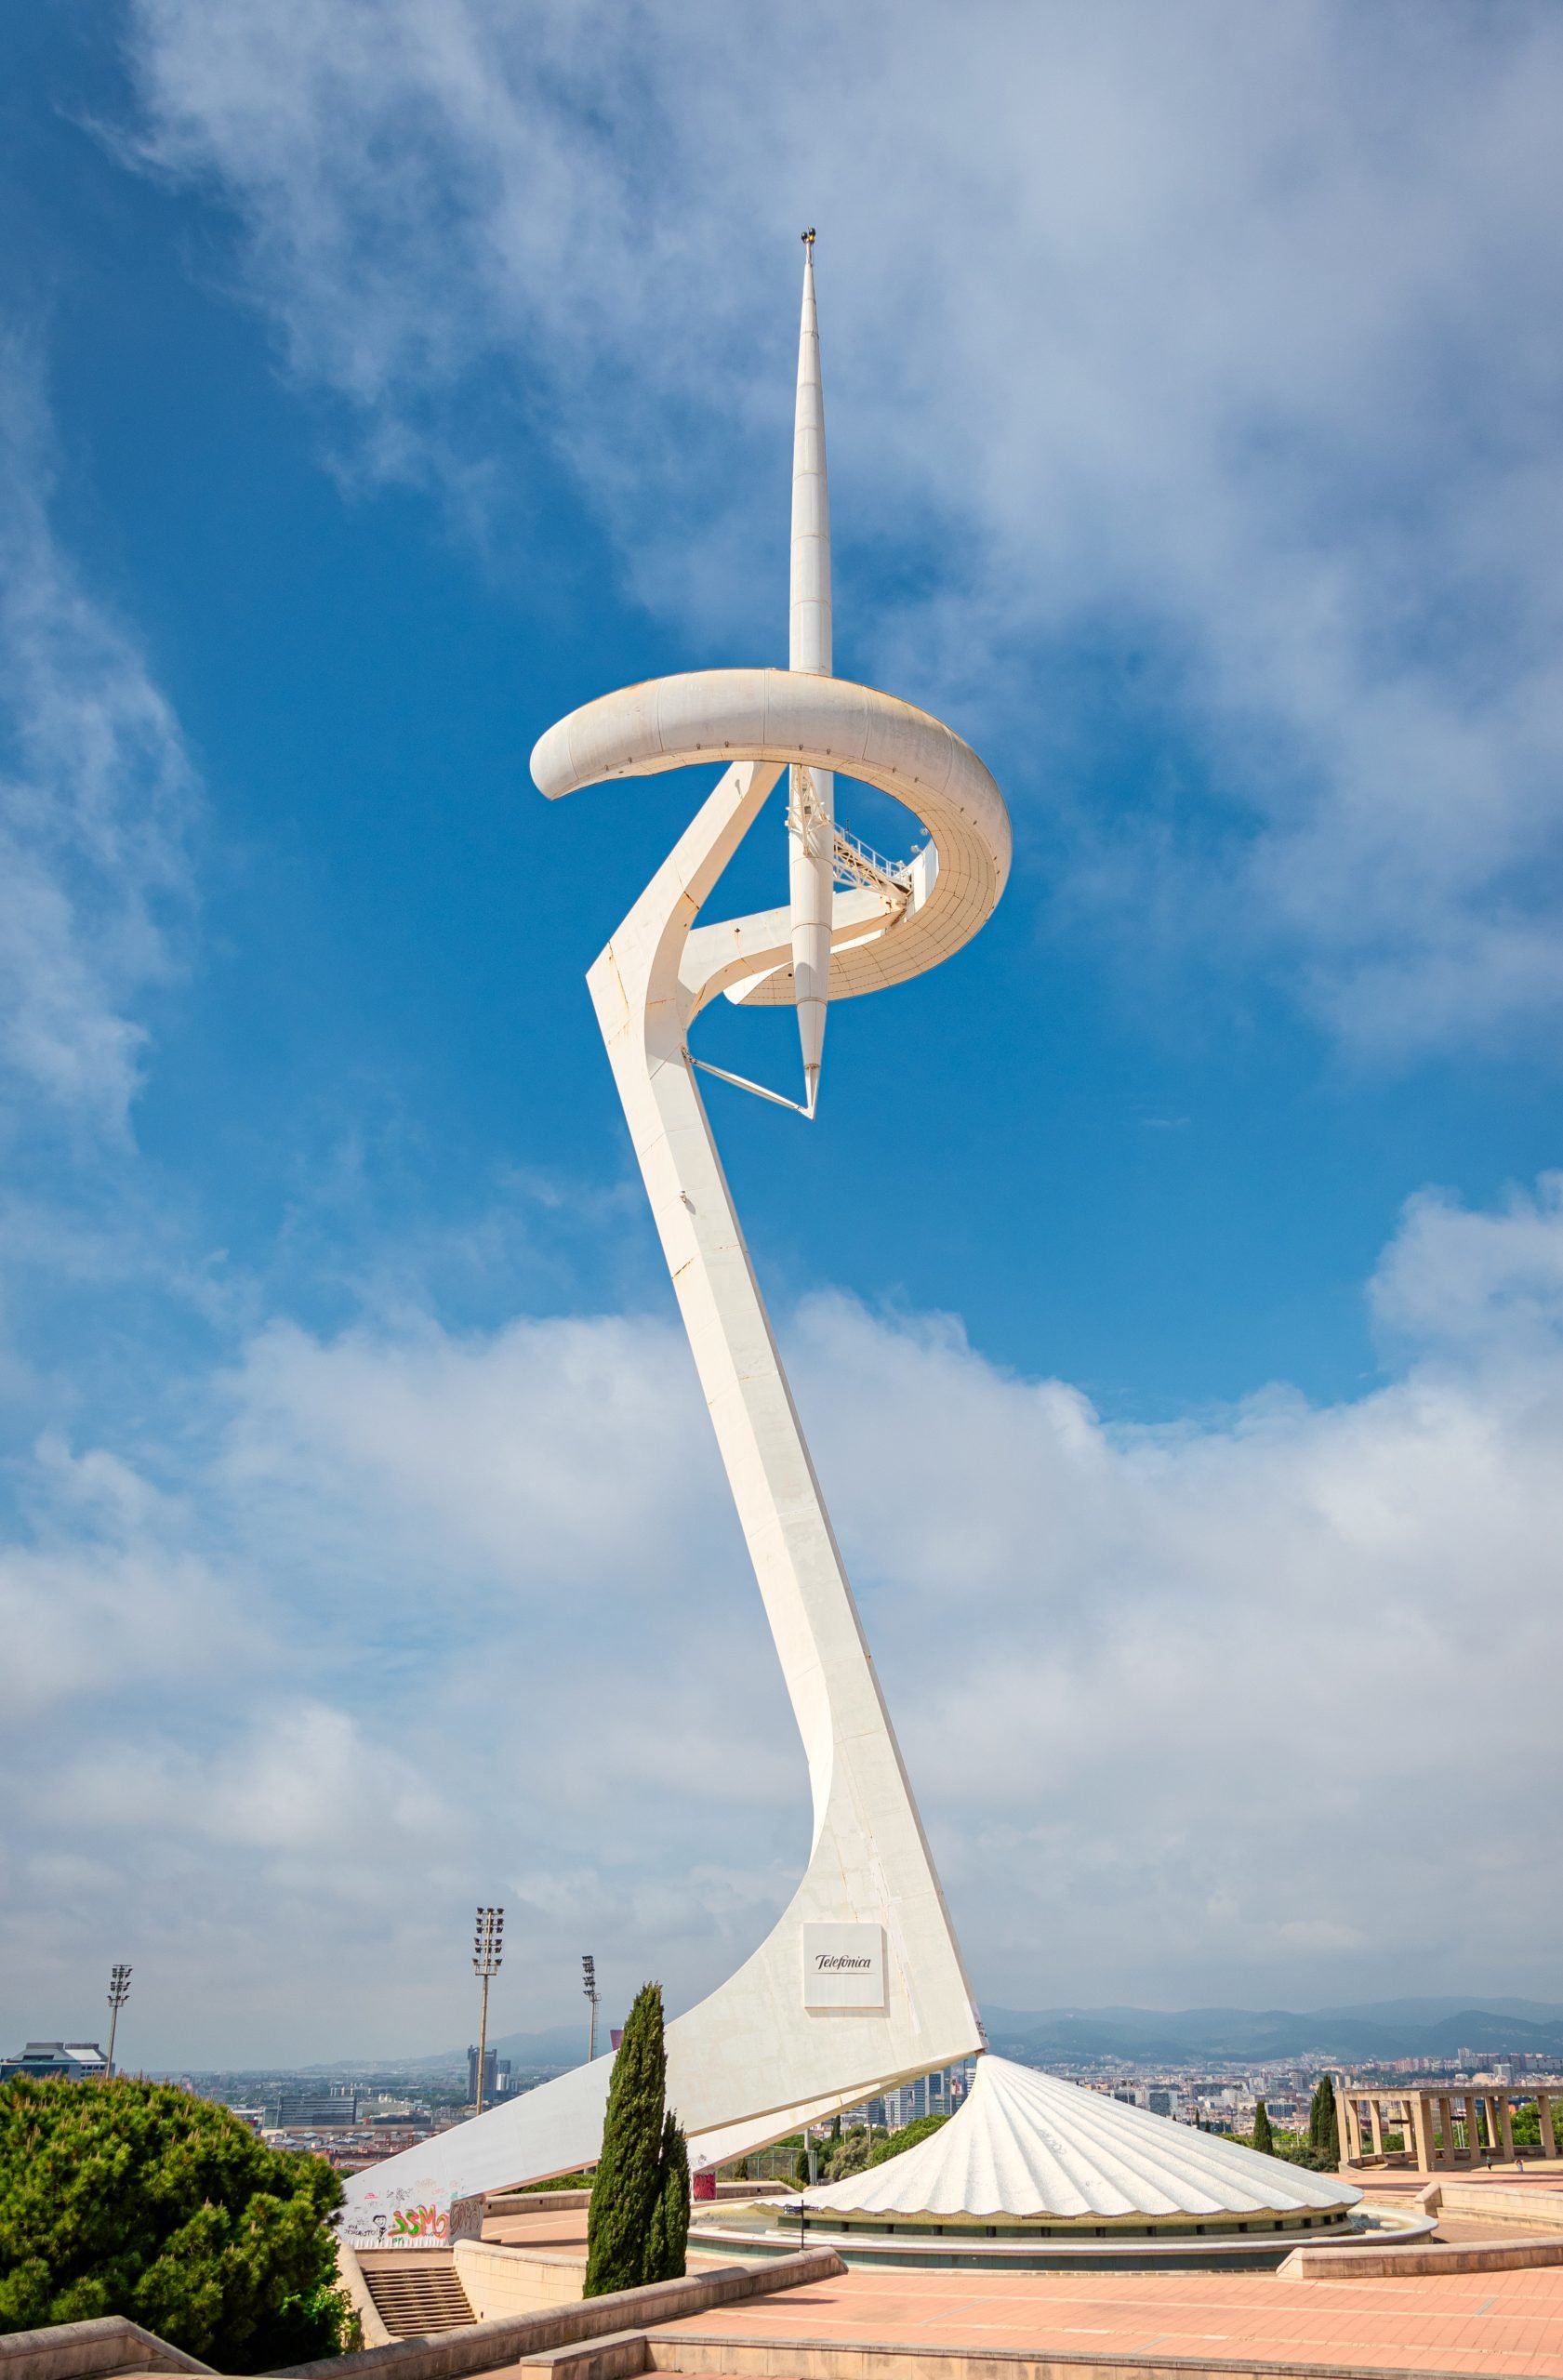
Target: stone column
{"type": "Point", "coordinates": [1446, 2125]}
{"type": "Point", "coordinates": [1505, 2127]}
{"type": "Point", "coordinates": [1376, 2126]}
{"type": "Point", "coordinates": [1543, 2110]}
{"type": "Point", "coordinates": [1351, 2135]}
{"type": "Point", "coordinates": [1420, 2130]}
{"type": "Point", "coordinates": [1473, 2126]}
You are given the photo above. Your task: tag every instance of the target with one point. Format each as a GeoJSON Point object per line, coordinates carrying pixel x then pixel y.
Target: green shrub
{"type": "Point", "coordinates": [132, 2198]}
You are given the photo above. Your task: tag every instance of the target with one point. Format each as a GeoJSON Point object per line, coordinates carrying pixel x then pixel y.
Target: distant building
{"type": "Point", "coordinates": [939, 2093]}
{"type": "Point", "coordinates": [312, 2110]}
{"type": "Point", "coordinates": [78, 2061]}
{"type": "Point", "coordinates": [496, 2075]}
{"type": "Point", "coordinates": [906, 2103]}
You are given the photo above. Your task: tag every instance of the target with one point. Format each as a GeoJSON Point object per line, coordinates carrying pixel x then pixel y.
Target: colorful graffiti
{"type": "Point", "coordinates": [399, 2221]}
{"type": "Point", "coordinates": [416, 2223]}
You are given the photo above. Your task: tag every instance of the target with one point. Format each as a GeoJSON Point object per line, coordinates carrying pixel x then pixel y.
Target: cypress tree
{"type": "Point", "coordinates": [629, 2172]}
{"type": "Point", "coordinates": [1324, 2137]}
{"type": "Point", "coordinates": [1316, 2113]}
{"type": "Point", "coordinates": [1263, 2138]}
{"type": "Point", "coordinates": [670, 2220]}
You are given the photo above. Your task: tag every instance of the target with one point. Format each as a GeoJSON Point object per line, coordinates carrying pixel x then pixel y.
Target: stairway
{"type": "Point", "coordinates": [415, 2291]}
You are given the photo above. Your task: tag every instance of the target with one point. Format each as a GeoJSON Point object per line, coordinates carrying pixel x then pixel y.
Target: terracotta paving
{"type": "Point", "coordinates": [566, 2230]}
{"type": "Point", "coordinates": [563, 2235]}
{"type": "Point", "coordinates": [1499, 2323]}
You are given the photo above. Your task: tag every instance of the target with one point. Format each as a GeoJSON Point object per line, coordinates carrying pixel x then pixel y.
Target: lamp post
{"type": "Point", "coordinates": [589, 1985]}
{"type": "Point", "coordinates": [119, 1993]}
{"type": "Point", "coordinates": [488, 1949]}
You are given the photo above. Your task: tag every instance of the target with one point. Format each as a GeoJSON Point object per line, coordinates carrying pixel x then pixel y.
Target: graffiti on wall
{"type": "Point", "coordinates": [398, 2219]}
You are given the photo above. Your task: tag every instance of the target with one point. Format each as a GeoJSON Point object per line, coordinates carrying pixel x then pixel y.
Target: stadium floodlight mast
{"type": "Point", "coordinates": [488, 1951]}
{"type": "Point", "coordinates": [119, 1993]}
{"type": "Point", "coordinates": [589, 1985]}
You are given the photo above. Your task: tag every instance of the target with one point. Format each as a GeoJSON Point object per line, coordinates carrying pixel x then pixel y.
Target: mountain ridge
{"type": "Point", "coordinates": [1367, 2030]}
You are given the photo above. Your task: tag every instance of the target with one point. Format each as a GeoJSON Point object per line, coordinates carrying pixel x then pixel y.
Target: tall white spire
{"type": "Point", "coordinates": [809, 642]}
{"type": "Point", "coordinates": [810, 816]}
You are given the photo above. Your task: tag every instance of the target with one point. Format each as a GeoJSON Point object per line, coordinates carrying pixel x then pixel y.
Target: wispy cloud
{"type": "Point", "coordinates": [1221, 346]}
{"type": "Point", "coordinates": [473, 1609]}
{"type": "Point", "coordinates": [97, 796]}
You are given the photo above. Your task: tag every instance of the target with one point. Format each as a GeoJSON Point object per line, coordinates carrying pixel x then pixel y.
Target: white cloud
{"type": "Point", "coordinates": [1239, 1709]}
{"type": "Point", "coordinates": [1465, 1281]}
{"type": "Point", "coordinates": [1215, 344]}
{"type": "Point", "coordinates": [95, 800]}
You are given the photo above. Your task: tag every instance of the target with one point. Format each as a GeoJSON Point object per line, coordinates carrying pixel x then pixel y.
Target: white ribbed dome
{"type": "Point", "coordinates": [1028, 2145]}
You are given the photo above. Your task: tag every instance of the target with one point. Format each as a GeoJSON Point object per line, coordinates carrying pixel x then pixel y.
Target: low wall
{"type": "Point", "coordinates": [1530, 2210]}
{"type": "Point", "coordinates": [784, 2359]}
{"type": "Point", "coordinates": [482, 2346]}
{"type": "Point", "coordinates": [350, 2281]}
{"type": "Point", "coordinates": [500, 2279]}
{"type": "Point", "coordinates": [565, 2201]}
{"type": "Point", "coordinates": [1424, 2257]}
{"type": "Point", "coordinates": [80, 2350]}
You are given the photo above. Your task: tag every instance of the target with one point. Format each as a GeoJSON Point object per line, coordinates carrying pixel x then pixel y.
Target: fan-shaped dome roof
{"type": "Point", "coordinates": [1028, 2145]}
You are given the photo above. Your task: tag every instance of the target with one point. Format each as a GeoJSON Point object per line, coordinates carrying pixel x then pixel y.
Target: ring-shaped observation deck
{"type": "Point", "coordinates": [881, 935]}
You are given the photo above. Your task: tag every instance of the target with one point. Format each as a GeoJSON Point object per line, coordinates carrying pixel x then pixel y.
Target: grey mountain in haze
{"type": "Point", "coordinates": [1376, 2029]}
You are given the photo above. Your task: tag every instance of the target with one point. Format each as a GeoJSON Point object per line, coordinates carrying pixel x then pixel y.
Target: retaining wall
{"type": "Point", "coordinates": [482, 2346]}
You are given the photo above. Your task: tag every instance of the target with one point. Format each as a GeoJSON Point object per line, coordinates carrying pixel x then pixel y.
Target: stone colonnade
{"type": "Point", "coordinates": [1429, 2127]}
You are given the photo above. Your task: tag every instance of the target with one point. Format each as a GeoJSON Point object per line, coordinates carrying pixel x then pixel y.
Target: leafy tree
{"type": "Point", "coordinates": [908, 2137]}
{"type": "Point", "coordinates": [639, 2203]}
{"type": "Point", "coordinates": [850, 2154]}
{"type": "Point", "coordinates": [1262, 2137]}
{"type": "Point", "coordinates": [132, 2198]}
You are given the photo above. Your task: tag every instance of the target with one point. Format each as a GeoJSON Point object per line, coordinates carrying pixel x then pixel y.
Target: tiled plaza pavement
{"type": "Point", "coordinates": [1502, 2323]}
{"type": "Point", "coordinates": [566, 2230]}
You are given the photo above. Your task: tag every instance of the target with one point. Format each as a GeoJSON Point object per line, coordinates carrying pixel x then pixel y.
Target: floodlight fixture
{"type": "Point", "coordinates": [119, 1993]}
{"type": "Point", "coordinates": [488, 1951]}
{"type": "Point", "coordinates": [589, 1985]}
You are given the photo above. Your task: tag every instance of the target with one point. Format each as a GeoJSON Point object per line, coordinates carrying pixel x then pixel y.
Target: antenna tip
{"type": "Point", "coordinates": [808, 237]}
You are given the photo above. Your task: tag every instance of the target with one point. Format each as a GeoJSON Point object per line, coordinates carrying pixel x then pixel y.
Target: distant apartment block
{"type": "Point", "coordinates": [78, 2061]}
{"type": "Point", "coordinates": [496, 2075]}
{"type": "Point", "coordinates": [316, 2110]}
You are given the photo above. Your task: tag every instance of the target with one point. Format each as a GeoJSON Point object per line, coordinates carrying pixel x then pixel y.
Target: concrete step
{"type": "Point", "coordinates": [417, 2292]}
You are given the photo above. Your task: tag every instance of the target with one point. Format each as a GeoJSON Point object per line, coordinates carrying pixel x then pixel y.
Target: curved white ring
{"type": "Point", "coordinates": [781, 715]}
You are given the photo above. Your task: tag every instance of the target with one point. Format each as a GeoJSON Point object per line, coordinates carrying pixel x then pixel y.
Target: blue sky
{"type": "Point", "coordinates": [1173, 1280]}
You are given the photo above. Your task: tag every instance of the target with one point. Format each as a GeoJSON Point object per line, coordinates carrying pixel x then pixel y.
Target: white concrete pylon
{"type": "Point", "coordinates": [812, 808]}
{"type": "Point", "coordinates": [860, 1984]}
